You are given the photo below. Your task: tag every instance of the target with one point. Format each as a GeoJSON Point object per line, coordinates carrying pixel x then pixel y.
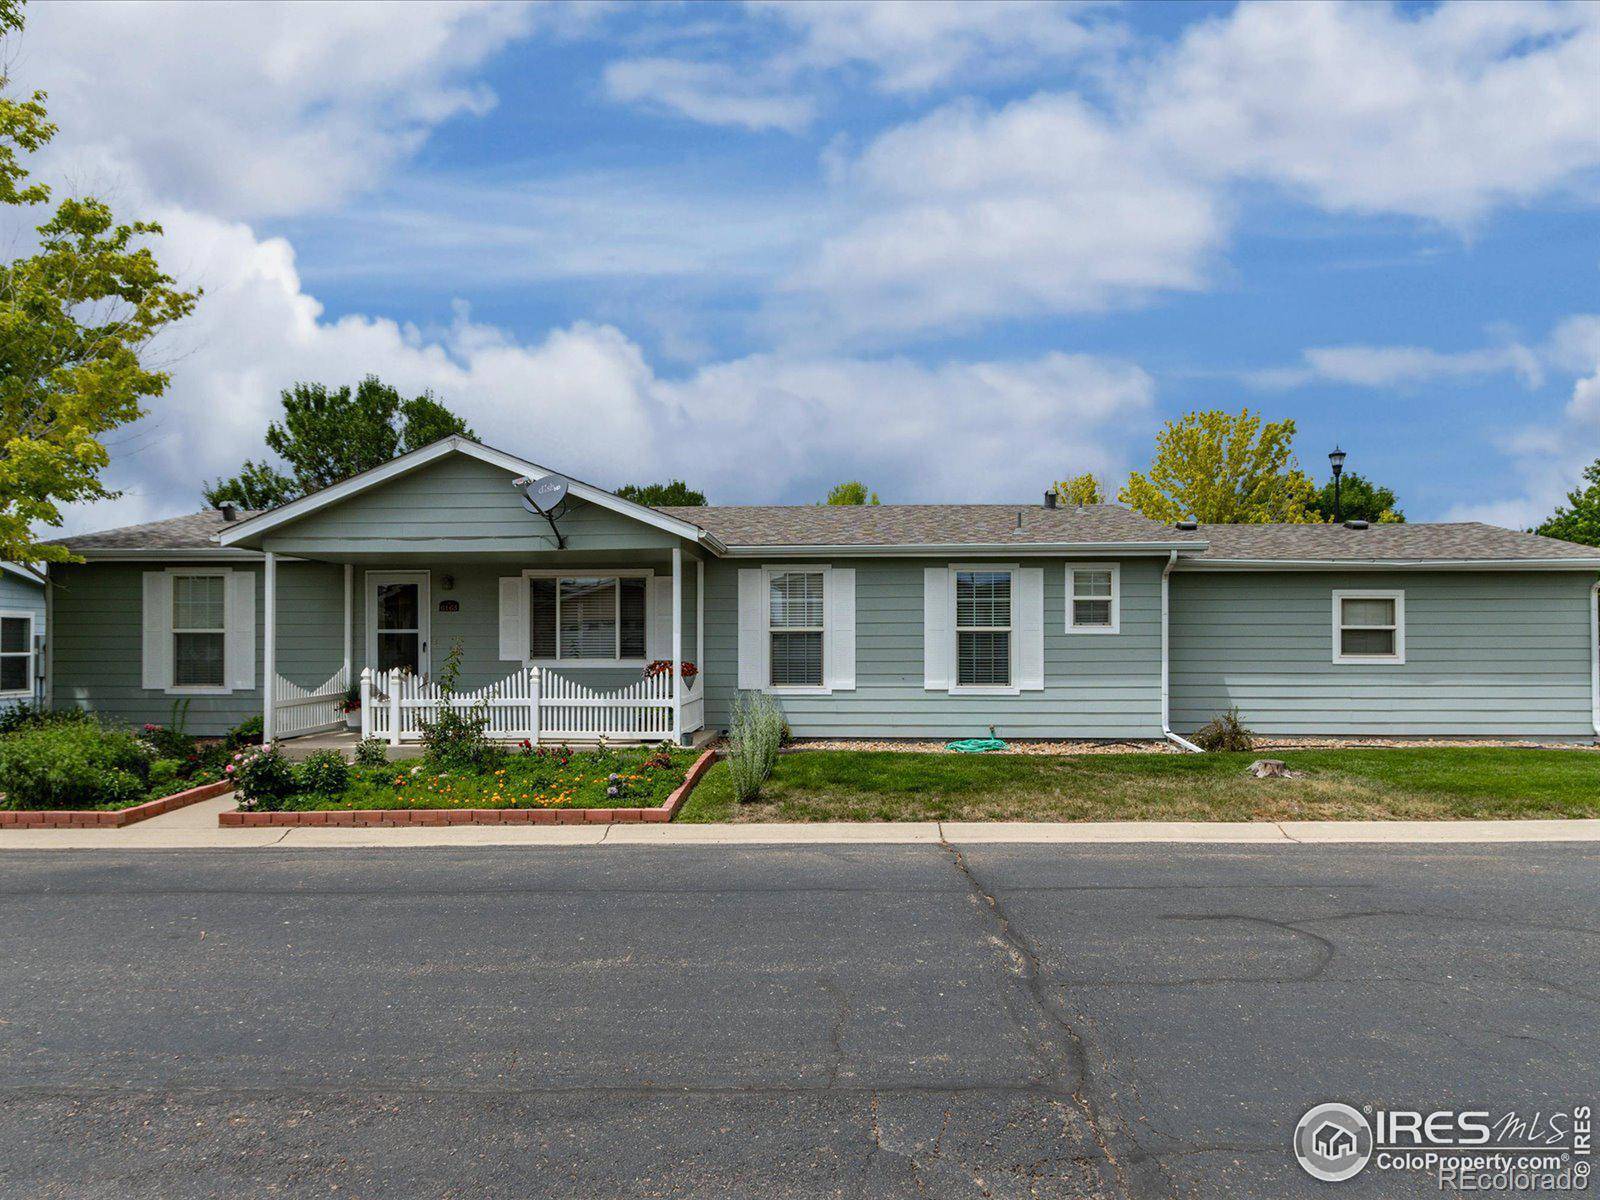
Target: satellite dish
{"type": "Point", "coordinates": [542, 495]}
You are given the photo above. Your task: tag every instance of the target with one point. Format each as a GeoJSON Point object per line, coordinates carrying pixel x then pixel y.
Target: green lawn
{"type": "Point", "coordinates": [1381, 784]}
{"type": "Point", "coordinates": [647, 777]}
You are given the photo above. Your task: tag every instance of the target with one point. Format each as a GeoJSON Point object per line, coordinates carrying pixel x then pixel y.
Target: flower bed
{"type": "Point", "coordinates": [111, 818]}
{"type": "Point", "coordinates": [557, 787]}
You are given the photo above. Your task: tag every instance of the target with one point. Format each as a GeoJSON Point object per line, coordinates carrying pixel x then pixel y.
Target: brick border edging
{"type": "Point", "coordinates": [401, 817]}
{"type": "Point", "coordinates": [90, 818]}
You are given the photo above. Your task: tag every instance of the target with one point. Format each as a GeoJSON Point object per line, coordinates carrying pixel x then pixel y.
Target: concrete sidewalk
{"type": "Point", "coordinates": [196, 827]}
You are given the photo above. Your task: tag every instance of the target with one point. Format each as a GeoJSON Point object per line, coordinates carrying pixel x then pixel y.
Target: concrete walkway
{"type": "Point", "coordinates": [196, 827]}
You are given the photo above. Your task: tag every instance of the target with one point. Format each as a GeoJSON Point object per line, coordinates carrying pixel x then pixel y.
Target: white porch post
{"type": "Point", "coordinates": [700, 620]}
{"type": "Point", "coordinates": [269, 650]}
{"type": "Point", "coordinates": [677, 644]}
{"type": "Point", "coordinates": [349, 594]}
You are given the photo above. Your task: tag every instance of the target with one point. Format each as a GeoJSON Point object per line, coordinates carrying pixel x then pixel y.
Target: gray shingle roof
{"type": "Point", "coordinates": [192, 531]}
{"type": "Point", "coordinates": [996, 524]}
{"type": "Point", "coordinates": [1464, 541]}
{"type": "Point", "coordinates": [921, 524]}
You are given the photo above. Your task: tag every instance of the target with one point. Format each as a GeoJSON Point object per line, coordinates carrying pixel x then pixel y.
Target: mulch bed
{"type": "Point", "coordinates": [402, 817]}
{"type": "Point", "coordinates": [64, 818]}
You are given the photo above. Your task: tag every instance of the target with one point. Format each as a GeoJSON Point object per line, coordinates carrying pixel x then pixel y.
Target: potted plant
{"type": "Point", "coordinates": [350, 706]}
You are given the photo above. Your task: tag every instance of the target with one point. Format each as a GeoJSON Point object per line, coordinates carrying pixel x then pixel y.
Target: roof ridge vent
{"type": "Point", "coordinates": [1186, 526]}
{"type": "Point", "coordinates": [1355, 523]}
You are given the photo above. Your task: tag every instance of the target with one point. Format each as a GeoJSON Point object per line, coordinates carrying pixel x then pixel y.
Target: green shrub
{"type": "Point", "coordinates": [324, 773]}
{"type": "Point", "coordinates": [264, 779]}
{"type": "Point", "coordinates": [372, 752]}
{"type": "Point", "coordinates": [164, 775]}
{"type": "Point", "coordinates": [755, 734]}
{"type": "Point", "coordinates": [28, 715]}
{"type": "Point", "coordinates": [247, 732]}
{"type": "Point", "coordinates": [72, 764]}
{"type": "Point", "coordinates": [456, 738]}
{"type": "Point", "coordinates": [1225, 731]}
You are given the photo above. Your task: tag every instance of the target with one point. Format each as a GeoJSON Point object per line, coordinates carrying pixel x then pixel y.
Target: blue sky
{"type": "Point", "coordinates": [956, 251]}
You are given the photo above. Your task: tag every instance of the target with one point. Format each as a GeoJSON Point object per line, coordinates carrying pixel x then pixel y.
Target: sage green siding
{"type": "Point", "coordinates": [1486, 654]}
{"type": "Point", "coordinates": [20, 595]}
{"type": "Point", "coordinates": [97, 644]}
{"type": "Point", "coordinates": [455, 505]}
{"type": "Point", "coordinates": [1096, 685]}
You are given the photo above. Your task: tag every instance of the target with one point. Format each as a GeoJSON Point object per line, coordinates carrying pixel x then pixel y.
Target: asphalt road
{"type": "Point", "coordinates": [834, 1021]}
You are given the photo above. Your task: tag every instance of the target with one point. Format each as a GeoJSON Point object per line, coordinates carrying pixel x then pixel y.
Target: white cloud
{"type": "Point", "coordinates": [711, 93]}
{"type": "Point", "coordinates": [258, 109]}
{"type": "Point", "coordinates": [584, 398]}
{"type": "Point", "coordinates": [1038, 207]}
{"type": "Point", "coordinates": [1051, 205]}
{"type": "Point", "coordinates": [1362, 108]}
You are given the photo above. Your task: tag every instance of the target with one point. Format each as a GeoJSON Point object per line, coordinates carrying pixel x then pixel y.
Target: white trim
{"type": "Point", "coordinates": [424, 580]}
{"type": "Point", "coordinates": [18, 614]}
{"type": "Point", "coordinates": [191, 553]}
{"type": "Point", "coordinates": [677, 638]}
{"type": "Point", "coordinates": [407, 463]}
{"type": "Point", "coordinates": [1116, 597]}
{"type": "Point", "coordinates": [942, 549]}
{"type": "Point", "coordinates": [1594, 652]}
{"type": "Point", "coordinates": [560, 573]}
{"type": "Point", "coordinates": [1393, 564]}
{"type": "Point", "coordinates": [27, 573]}
{"type": "Point", "coordinates": [700, 616]}
{"type": "Point", "coordinates": [768, 570]}
{"type": "Point", "coordinates": [956, 687]}
{"type": "Point", "coordinates": [1340, 595]}
{"type": "Point", "coordinates": [349, 619]}
{"type": "Point", "coordinates": [175, 689]}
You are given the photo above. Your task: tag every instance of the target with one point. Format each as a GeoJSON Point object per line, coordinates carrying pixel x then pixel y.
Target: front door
{"type": "Point", "coordinates": [397, 621]}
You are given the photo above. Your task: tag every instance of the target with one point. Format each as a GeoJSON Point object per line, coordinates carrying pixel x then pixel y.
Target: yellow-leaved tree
{"type": "Point", "coordinates": [1081, 489]}
{"type": "Point", "coordinates": [1223, 468]}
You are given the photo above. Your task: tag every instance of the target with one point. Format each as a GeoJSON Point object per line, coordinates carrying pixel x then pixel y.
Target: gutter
{"type": "Point", "coordinates": [1594, 655]}
{"type": "Point", "coordinates": [1392, 564]}
{"type": "Point", "coordinates": [1166, 672]}
{"type": "Point", "coordinates": [945, 549]}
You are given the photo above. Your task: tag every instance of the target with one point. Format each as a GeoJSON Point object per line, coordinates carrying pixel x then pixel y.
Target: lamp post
{"type": "Point", "coordinates": [1336, 457]}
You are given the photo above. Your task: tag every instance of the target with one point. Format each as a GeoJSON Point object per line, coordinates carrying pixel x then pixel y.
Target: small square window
{"type": "Point", "coordinates": [1368, 627]}
{"type": "Point", "coordinates": [1093, 598]}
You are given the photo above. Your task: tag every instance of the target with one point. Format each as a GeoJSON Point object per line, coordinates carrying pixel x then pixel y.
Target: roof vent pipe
{"type": "Point", "coordinates": [1355, 524]}
{"type": "Point", "coordinates": [1050, 499]}
{"type": "Point", "coordinates": [1187, 526]}
{"type": "Point", "coordinates": [229, 513]}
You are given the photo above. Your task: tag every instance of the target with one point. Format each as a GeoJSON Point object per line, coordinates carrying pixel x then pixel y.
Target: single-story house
{"type": "Point", "coordinates": [899, 620]}
{"type": "Point", "coordinates": [21, 635]}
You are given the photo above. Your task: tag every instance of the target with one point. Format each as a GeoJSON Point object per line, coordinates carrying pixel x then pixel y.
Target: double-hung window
{"type": "Point", "coordinates": [1369, 627]}
{"type": "Point", "coordinates": [1093, 598]}
{"type": "Point", "coordinates": [16, 654]}
{"type": "Point", "coordinates": [795, 628]}
{"type": "Point", "coordinates": [983, 628]}
{"type": "Point", "coordinates": [199, 630]}
{"type": "Point", "coordinates": [594, 618]}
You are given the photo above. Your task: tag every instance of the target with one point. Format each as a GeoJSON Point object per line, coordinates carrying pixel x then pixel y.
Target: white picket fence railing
{"type": "Point", "coordinates": [532, 703]}
{"type": "Point", "coordinates": [298, 710]}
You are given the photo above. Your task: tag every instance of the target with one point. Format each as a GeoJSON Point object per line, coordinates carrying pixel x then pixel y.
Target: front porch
{"type": "Point", "coordinates": [547, 653]}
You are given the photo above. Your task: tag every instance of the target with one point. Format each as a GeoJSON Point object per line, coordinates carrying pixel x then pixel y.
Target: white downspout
{"type": "Point", "coordinates": [269, 650]}
{"type": "Point", "coordinates": [1594, 654]}
{"type": "Point", "coordinates": [1166, 673]}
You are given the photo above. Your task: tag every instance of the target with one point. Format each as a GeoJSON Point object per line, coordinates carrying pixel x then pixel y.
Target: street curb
{"type": "Point", "coordinates": [402, 818]}
{"type": "Point", "coordinates": [91, 818]}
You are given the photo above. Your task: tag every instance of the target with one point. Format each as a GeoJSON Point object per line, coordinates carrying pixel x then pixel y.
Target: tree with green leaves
{"type": "Point", "coordinates": [327, 435]}
{"type": "Point", "coordinates": [850, 492]}
{"type": "Point", "coordinates": [76, 316]}
{"type": "Point", "coordinates": [1359, 500]}
{"type": "Point", "coordinates": [1578, 520]}
{"type": "Point", "coordinates": [675, 493]}
{"type": "Point", "coordinates": [1081, 489]}
{"type": "Point", "coordinates": [1222, 468]}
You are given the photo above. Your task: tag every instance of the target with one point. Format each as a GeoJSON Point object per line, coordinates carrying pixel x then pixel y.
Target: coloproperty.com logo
{"type": "Point", "coordinates": [1465, 1150]}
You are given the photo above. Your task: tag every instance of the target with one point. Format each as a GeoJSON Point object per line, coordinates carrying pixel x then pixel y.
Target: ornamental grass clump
{"type": "Point", "coordinates": [1225, 731]}
{"type": "Point", "coordinates": [755, 733]}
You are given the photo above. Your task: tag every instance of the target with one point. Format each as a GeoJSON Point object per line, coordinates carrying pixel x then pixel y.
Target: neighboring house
{"type": "Point", "coordinates": [22, 608]}
{"type": "Point", "coordinates": [886, 621]}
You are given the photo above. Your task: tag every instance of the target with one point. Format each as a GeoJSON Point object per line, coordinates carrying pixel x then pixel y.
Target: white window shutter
{"type": "Point", "coordinates": [658, 618]}
{"type": "Point", "coordinates": [157, 661]}
{"type": "Point", "coordinates": [839, 630]}
{"type": "Point", "coordinates": [513, 618]}
{"type": "Point", "coordinates": [754, 646]}
{"type": "Point", "coordinates": [938, 629]}
{"type": "Point", "coordinates": [1027, 647]}
{"type": "Point", "coordinates": [239, 654]}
